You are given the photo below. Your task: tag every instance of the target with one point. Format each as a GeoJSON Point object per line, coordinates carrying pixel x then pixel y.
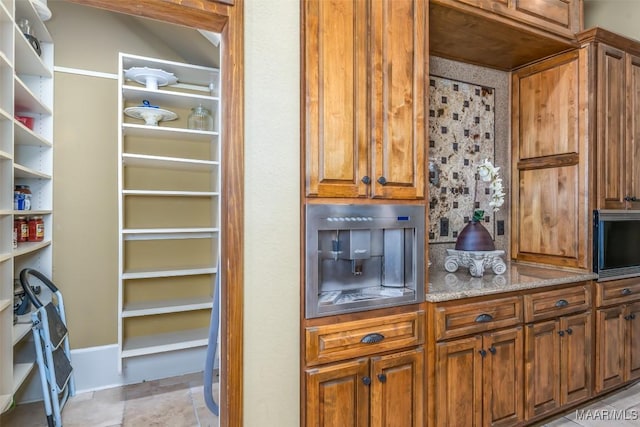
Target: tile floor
{"type": "Point", "coordinates": [174, 402]}
{"type": "Point", "coordinates": [179, 402]}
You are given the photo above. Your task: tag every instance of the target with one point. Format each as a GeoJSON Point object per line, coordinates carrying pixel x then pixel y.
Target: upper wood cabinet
{"type": "Point", "coordinates": [550, 209]}
{"type": "Point", "coordinates": [503, 34]}
{"type": "Point", "coordinates": [364, 71]}
{"type": "Point", "coordinates": [563, 17]}
{"type": "Point", "coordinates": [616, 109]}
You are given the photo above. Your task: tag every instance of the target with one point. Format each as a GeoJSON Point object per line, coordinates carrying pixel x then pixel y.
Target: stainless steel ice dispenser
{"type": "Point", "coordinates": [360, 257]}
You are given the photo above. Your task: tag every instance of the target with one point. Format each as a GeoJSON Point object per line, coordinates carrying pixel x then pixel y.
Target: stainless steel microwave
{"type": "Point", "coordinates": [616, 243]}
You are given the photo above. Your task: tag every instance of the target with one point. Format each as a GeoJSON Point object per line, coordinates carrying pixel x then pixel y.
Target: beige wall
{"type": "Point", "coordinates": [272, 242]}
{"type": "Point", "coordinates": [619, 16]}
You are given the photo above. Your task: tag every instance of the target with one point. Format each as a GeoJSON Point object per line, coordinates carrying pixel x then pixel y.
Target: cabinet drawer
{"type": "Point", "coordinates": [548, 304]}
{"type": "Point", "coordinates": [617, 291]}
{"type": "Point", "coordinates": [464, 319]}
{"type": "Point", "coordinates": [347, 340]}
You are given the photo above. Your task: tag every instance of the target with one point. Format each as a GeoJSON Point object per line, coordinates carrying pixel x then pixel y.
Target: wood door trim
{"type": "Point", "coordinates": [229, 22]}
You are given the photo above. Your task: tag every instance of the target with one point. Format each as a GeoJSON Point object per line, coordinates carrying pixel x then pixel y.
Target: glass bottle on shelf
{"type": "Point", "coordinates": [200, 119]}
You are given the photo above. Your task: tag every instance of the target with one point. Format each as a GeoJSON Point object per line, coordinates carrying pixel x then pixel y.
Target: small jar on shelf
{"type": "Point", "coordinates": [22, 198]}
{"type": "Point", "coordinates": [36, 229]}
{"type": "Point", "coordinates": [21, 226]}
{"type": "Point", "coordinates": [200, 119]}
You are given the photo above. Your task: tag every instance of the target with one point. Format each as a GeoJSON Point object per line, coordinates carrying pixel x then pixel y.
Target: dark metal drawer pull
{"type": "Point", "coordinates": [484, 318]}
{"type": "Point", "coordinates": [562, 303]}
{"type": "Point", "coordinates": [372, 338]}
{"type": "Point", "coordinates": [626, 291]}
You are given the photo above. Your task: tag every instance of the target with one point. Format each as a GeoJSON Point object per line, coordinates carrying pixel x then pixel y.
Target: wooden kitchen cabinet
{"type": "Point", "coordinates": [558, 348]}
{"type": "Point", "coordinates": [479, 380]}
{"type": "Point", "coordinates": [617, 332]}
{"type": "Point", "coordinates": [365, 65]}
{"type": "Point", "coordinates": [562, 17]}
{"type": "Point", "coordinates": [385, 390]}
{"type": "Point", "coordinates": [618, 127]}
{"type": "Point", "coordinates": [366, 372]}
{"type": "Point", "coordinates": [551, 215]}
{"type": "Point", "coordinates": [558, 363]}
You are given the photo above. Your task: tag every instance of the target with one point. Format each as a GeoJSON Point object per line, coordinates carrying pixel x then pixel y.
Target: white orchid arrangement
{"type": "Point", "coordinates": [489, 173]}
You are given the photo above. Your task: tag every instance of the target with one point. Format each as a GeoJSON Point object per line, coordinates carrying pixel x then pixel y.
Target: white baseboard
{"type": "Point", "coordinates": [96, 368]}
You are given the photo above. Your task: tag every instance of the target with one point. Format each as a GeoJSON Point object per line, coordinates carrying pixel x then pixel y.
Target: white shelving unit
{"type": "Point", "coordinates": [26, 158]}
{"type": "Point", "coordinates": [169, 210]}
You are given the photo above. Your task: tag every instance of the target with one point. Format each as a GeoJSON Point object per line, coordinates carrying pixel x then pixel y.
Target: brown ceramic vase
{"type": "Point", "coordinates": [474, 237]}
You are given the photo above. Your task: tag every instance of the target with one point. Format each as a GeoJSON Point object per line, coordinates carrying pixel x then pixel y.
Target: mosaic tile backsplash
{"type": "Point", "coordinates": [461, 136]}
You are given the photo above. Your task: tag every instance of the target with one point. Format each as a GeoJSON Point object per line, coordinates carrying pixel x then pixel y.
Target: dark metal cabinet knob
{"type": "Point", "coordinates": [569, 331]}
{"type": "Point", "coordinates": [382, 378]}
{"type": "Point", "coordinates": [366, 380]}
{"type": "Point", "coordinates": [561, 333]}
{"type": "Point", "coordinates": [492, 349]}
{"type": "Point", "coordinates": [366, 179]}
{"type": "Point", "coordinates": [482, 352]}
{"type": "Point", "coordinates": [382, 180]}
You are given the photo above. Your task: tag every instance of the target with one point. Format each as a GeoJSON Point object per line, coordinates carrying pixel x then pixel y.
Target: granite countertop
{"type": "Point", "coordinates": [445, 286]}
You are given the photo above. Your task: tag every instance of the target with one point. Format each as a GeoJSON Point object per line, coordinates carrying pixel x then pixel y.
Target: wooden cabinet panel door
{"type": "Point", "coordinates": [397, 389]}
{"type": "Point", "coordinates": [542, 368]}
{"type": "Point", "coordinates": [459, 383]}
{"type": "Point", "coordinates": [335, 93]}
{"type": "Point", "coordinates": [632, 148]}
{"type": "Point", "coordinates": [546, 101]}
{"type": "Point", "coordinates": [337, 395]}
{"type": "Point", "coordinates": [575, 357]}
{"type": "Point", "coordinates": [611, 127]}
{"type": "Point", "coordinates": [610, 335]}
{"type": "Point", "coordinates": [503, 403]}
{"type": "Point", "coordinates": [632, 356]}
{"type": "Point", "coordinates": [548, 216]}
{"type": "Point", "coordinates": [399, 51]}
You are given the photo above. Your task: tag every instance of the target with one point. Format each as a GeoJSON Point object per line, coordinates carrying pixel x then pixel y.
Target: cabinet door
{"type": "Point", "coordinates": [397, 389]}
{"type": "Point", "coordinates": [399, 53]}
{"type": "Point", "coordinates": [632, 356]}
{"type": "Point", "coordinates": [337, 395]}
{"type": "Point", "coordinates": [335, 134]}
{"type": "Point", "coordinates": [610, 347]}
{"type": "Point", "coordinates": [503, 378]}
{"type": "Point", "coordinates": [632, 147]}
{"type": "Point", "coordinates": [611, 127]}
{"type": "Point", "coordinates": [459, 383]}
{"type": "Point", "coordinates": [542, 368]}
{"type": "Point", "coordinates": [575, 357]}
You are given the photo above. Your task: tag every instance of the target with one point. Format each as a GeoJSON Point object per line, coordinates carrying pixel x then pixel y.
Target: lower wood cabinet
{"type": "Point", "coordinates": [385, 390]}
{"type": "Point", "coordinates": [618, 348]}
{"type": "Point", "coordinates": [479, 380]}
{"type": "Point", "coordinates": [558, 369]}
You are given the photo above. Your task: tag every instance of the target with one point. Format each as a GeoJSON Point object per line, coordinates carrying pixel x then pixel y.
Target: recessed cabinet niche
{"type": "Point", "coordinates": [365, 64]}
{"type": "Point", "coordinates": [169, 206]}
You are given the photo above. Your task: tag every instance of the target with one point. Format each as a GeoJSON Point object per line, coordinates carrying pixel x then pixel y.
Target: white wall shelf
{"type": "Point", "coordinates": [165, 307]}
{"type": "Point", "coordinates": [25, 172]}
{"type": "Point", "coordinates": [166, 99]}
{"type": "Point", "coordinates": [158, 132]}
{"type": "Point", "coordinates": [169, 193]}
{"type": "Point", "coordinates": [169, 233]}
{"type": "Point", "coordinates": [150, 344]}
{"type": "Point", "coordinates": [26, 157]}
{"type": "Point", "coordinates": [143, 160]}
{"type": "Point", "coordinates": [150, 274]}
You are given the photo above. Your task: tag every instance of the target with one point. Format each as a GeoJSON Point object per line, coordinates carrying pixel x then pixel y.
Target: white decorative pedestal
{"type": "Point", "coordinates": [476, 261]}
